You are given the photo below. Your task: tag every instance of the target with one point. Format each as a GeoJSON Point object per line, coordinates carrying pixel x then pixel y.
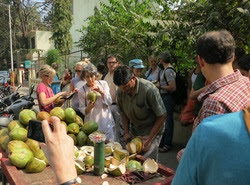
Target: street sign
{"type": "Point", "coordinates": [27, 64]}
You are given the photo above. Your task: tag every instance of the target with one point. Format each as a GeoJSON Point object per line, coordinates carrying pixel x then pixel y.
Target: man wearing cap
{"type": "Point", "coordinates": [137, 66]}
{"type": "Point", "coordinates": [142, 109]}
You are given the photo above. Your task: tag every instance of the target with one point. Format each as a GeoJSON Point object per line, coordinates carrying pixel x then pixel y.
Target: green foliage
{"type": "Point", "coordinates": [137, 29]}
{"type": "Point", "coordinates": [53, 55]}
{"type": "Point", "coordinates": [61, 24]}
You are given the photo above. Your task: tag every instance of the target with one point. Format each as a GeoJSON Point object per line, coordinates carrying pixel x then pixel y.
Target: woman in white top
{"type": "Point", "coordinates": [99, 110]}
{"type": "Point", "coordinates": [153, 73]}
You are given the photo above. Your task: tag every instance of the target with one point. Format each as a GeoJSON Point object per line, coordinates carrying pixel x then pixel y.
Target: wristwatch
{"type": "Point", "coordinates": [77, 180]}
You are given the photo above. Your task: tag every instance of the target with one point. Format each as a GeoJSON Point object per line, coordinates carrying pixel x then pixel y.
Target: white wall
{"type": "Point", "coordinates": [43, 42]}
{"type": "Point", "coordinates": [82, 9]}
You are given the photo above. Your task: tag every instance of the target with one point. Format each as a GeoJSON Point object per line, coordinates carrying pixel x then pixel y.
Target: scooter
{"type": "Point", "coordinates": [8, 100]}
{"type": "Point", "coordinates": [12, 112]}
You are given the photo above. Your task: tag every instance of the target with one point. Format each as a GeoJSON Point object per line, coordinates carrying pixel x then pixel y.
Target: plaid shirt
{"type": "Point", "coordinates": [227, 94]}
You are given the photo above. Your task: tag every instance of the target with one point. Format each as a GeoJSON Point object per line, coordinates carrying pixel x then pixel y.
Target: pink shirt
{"type": "Point", "coordinates": [48, 92]}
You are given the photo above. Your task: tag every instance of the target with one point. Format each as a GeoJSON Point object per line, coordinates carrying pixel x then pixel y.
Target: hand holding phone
{"type": "Point", "coordinates": [35, 130]}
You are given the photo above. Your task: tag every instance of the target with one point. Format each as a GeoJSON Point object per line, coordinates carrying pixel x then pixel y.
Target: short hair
{"type": "Point", "coordinates": [101, 67]}
{"type": "Point", "coordinates": [152, 57]}
{"type": "Point", "coordinates": [122, 75]}
{"type": "Point", "coordinates": [216, 47]}
{"type": "Point", "coordinates": [166, 57]}
{"type": "Point", "coordinates": [112, 56]}
{"type": "Point", "coordinates": [89, 68]}
{"type": "Point", "coordinates": [54, 65]}
{"type": "Point", "coordinates": [244, 63]}
{"type": "Point", "coordinates": [46, 70]}
{"type": "Point", "coordinates": [83, 62]}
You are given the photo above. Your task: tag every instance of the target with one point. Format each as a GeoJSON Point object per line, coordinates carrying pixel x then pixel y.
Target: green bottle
{"type": "Point", "coordinates": [99, 158]}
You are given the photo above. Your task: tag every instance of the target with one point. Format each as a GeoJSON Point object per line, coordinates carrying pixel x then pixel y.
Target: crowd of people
{"type": "Point", "coordinates": [130, 104]}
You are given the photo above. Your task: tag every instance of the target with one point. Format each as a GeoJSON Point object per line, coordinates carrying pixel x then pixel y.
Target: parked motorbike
{"type": "Point", "coordinates": [8, 100]}
{"type": "Point", "coordinates": [12, 111]}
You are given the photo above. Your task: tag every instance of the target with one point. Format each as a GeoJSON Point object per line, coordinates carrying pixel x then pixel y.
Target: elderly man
{"type": "Point", "coordinates": [142, 109]}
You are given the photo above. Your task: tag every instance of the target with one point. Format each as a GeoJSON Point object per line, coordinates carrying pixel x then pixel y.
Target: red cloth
{"type": "Point", "coordinates": [187, 115]}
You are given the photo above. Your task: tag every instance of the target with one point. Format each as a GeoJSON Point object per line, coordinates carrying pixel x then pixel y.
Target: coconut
{"type": "Point", "coordinates": [135, 145]}
{"type": "Point", "coordinates": [80, 167]}
{"type": "Point", "coordinates": [33, 145]}
{"type": "Point", "coordinates": [4, 131]}
{"type": "Point", "coordinates": [81, 156]}
{"type": "Point", "coordinates": [4, 140]}
{"type": "Point", "coordinates": [107, 161]}
{"type": "Point", "coordinates": [120, 154]}
{"type": "Point", "coordinates": [40, 155]}
{"type": "Point", "coordinates": [16, 144]}
{"type": "Point", "coordinates": [19, 134]}
{"type": "Point", "coordinates": [89, 161]}
{"type": "Point", "coordinates": [20, 157]}
{"type": "Point", "coordinates": [89, 150]}
{"type": "Point", "coordinates": [14, 124]}
{"type": "Point", "coordinates": [133, 165]}
{"type": "Point", "coordinates": [150, 166]}
{"type": "Point", "coordinates": [117, 170]}
{"type": "Point", "coordinates": [35, 165]}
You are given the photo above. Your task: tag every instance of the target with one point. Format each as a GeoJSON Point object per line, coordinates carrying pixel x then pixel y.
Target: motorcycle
{"type": "Point", "coordinates": [12, 111]}
{"type": "Point", "coordinates": [8, 100]}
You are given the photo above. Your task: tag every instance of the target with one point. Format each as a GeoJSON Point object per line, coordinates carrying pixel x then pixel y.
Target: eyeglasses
{"type": "Point", "coordinates": [78, 71]}
{"type": "Point", "coordinates": [111, 63]}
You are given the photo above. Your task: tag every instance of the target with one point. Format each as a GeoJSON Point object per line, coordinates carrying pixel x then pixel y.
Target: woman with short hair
{"type": "Point", "coordinates": [97, 110]}
{"type": "Point", "coordinates": [45, 95]}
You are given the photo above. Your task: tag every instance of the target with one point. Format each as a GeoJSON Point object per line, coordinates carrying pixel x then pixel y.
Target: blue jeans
{"type": "Point", "coordinates": [169, 124]}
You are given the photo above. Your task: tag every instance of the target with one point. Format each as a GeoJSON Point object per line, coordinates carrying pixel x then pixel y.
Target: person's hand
{"type": "Point", "coordinates": [59, 150]}
{"type": "Point", "coordinates": [76, 90]}
{"type": "Point", "coordinates": [127, 137]}
{"type": "Point", "coordinates": [146, 142]}
{"type": "Point", "coordinates": [97, 89]}
{"type": "Point", "coordinates": [89, 107]}
{"type": "Point", "coordinates": [64, 93]}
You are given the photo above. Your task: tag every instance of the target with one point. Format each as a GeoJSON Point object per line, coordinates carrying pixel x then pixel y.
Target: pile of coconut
{"type": "Point", "coordinates": [117, 159]}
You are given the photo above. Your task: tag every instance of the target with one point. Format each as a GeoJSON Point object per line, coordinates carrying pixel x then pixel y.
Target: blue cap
{"type": "Point", "coordinates": [136, 63]}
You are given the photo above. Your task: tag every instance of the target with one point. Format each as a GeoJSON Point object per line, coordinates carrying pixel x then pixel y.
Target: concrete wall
{"type": "Point", "coordinates": [82, 9]}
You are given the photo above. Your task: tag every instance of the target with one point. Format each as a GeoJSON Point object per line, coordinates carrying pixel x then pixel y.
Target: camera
{"type": "Point", "coordinates": [35, 130]}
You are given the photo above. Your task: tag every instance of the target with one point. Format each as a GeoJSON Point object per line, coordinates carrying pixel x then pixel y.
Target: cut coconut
{"type": "Point", "coordinates": [138, 143]}
{"type": "Point", "coordinates": [117, 146]}
{"type": "Point", "coordinates": [80, 168]}
{"type": "Point", "coordinates": [89, 150]}
{"type": "Point", "coordinates": [117, 170]}
{"type": "Point", "coordinates": [115, 162]}
{"type": "Point", "coordinates": [132, 156]}
{"type": "Point", "coordinates": [105, 183]}
{"type": "Point", "coordinates": [108, 150]}
{"type": "Point", "coordinates": [150, 166]}
{"type": "Point", "coordinates": [81, 156]}
{"type": "Point", "coordinates": [120, 154]}
{"type": "Point", "coordinates": [107, 161]}
{"type": "Point", "coordinates": [132, 148]}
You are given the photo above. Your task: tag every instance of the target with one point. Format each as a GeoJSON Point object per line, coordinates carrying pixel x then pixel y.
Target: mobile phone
{"type": "Point", "coordinates": [35, 130]}
{"type": "Point", "coordinates": [69, 96]}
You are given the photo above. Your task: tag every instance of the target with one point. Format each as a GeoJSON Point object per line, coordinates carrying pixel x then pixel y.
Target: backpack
{"type": "Point", "coordinates": [180, 94]}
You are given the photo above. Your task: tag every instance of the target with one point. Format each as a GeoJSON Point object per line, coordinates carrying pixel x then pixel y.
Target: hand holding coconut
{"type": "Point", "coordinates": [59, 150]}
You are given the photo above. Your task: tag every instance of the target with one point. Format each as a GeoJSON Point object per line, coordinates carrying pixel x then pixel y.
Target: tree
{"type": "Point", "coordinates": [53, 55]}
{"type": "Point", "coordinates": [137, 29]}
{"type": "Point", "coordinates": [61, 24]}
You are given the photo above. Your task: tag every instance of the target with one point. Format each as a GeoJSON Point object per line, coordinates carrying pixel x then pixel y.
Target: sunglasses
{"type": "Point", "coordinates": [111, 63]}
{"type": "Point", "coordinates": [78, 71]}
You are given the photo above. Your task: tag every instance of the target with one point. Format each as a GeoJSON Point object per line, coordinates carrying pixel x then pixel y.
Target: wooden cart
{"type": "Point", "coordinates": [15, 176]}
